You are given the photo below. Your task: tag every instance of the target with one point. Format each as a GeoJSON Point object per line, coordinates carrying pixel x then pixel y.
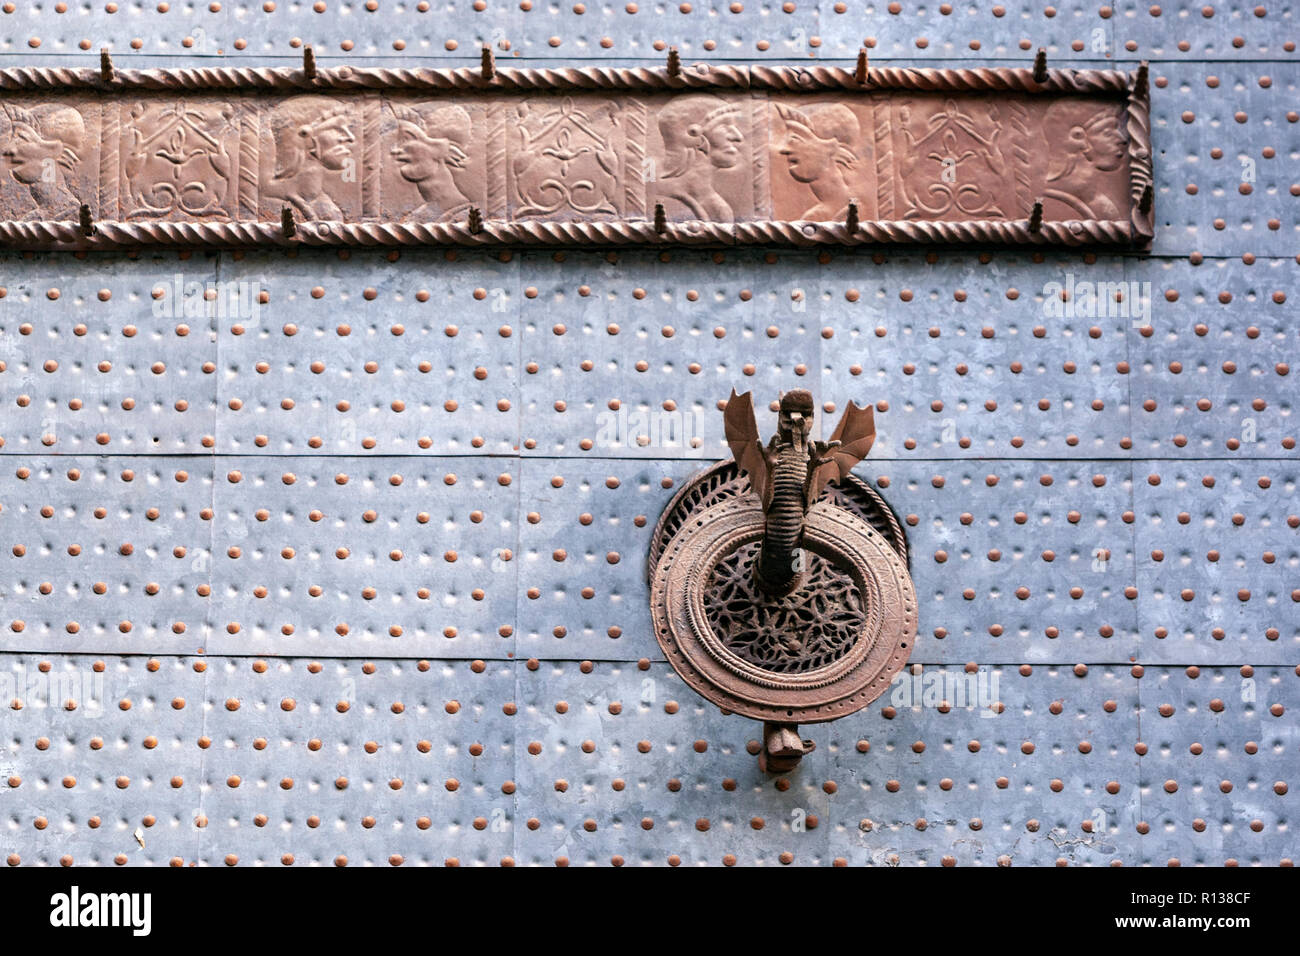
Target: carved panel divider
{"type": "Point", "coordinates": [714, 155]}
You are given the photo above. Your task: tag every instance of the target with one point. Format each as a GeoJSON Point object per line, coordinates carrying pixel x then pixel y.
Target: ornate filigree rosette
{"type": "Point", "coordinates": [809, 628]}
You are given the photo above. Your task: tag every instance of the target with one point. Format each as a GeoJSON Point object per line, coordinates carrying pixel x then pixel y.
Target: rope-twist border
{"type": "Point", "coordinates": [799, 79]}
{"type": "Point", "coordinates": [108, 235]}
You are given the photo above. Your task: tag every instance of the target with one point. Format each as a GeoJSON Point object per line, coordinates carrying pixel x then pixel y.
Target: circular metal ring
{"type": "Point", "coordinates": [864, 673]}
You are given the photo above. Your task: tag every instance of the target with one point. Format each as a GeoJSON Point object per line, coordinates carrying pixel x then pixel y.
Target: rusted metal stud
{"type": "Point", "coordinates": [1040, 66]}
{"type": "Point", "coordinates": [309, 62]}
{"type": "Point", "coordinates": [287, 225]}
{"type": "Point", "coordinates": [1142, 82]}
{"type": "Point", "coordinates": [661, 219]}
{"type": "Point", "coordinates": [87, 223]}
{"type": "Point", "coordinates": [674, 62]}
{"type": "Point", "coordinates": [860, 71]}
{"type": "Point", "coordinates": [851, 221]}
{"type": "Point", "coordinates": [488, 64]}
{"type": "Point", "coordinates": [106, 71]}
{"type": "Point", "coordinates": [474, 221]}
{"type": "Point", "coordinates": [1148, 197]}
{"type": "Point", "coordinates": [1036, 217]}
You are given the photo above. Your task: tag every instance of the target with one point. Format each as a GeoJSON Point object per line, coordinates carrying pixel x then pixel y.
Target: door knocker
{"type": "Point", "coordinates": [779, 585]}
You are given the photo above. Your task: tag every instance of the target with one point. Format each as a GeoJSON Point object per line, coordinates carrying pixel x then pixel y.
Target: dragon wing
{"type": "Point", "coordinates": [856, 433]}
{"type": "Point", "coordinates": [742, 435]}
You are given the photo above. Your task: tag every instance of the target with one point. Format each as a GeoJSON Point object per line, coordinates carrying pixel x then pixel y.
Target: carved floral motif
{"type": "Point", "coordinates": [179, 158]}
{"type": "Point", "coordinates": [952, 163]}
{"type": "Point", "coordinates": [565, 158]}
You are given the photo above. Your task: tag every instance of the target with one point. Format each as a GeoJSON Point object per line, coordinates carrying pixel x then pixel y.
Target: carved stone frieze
{"type": "Point", "coordinates": [719, 156]}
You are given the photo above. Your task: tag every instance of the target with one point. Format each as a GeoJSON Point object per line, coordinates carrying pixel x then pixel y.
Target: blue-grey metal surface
{"type": "Point", "coordinates": [101, 766]}
{"type": "Point", "coordinates": [1225, 136]}
{"type": "Point", "coordinates": [1217, 362]}
{"type": "Point", "coordinates": [752, 29]}
{"type": "Point", "coordinates": [413, 628]}
{"type": "Point", "coordinates": [98, 325]}
{"type": "Point", "coordinates": [1012, 788]}
{"type": "Point", "coordinates": [373, 767]}
{"type": "Point", "coordinates": [107, 554]}
{"type": "Point", "coordinates": [1219, 739]}
{"type": "Point", "coordinates": [575, 355]}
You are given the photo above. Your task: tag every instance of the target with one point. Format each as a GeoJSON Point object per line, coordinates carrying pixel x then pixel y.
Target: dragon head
{"type": "Point", "coordinates": [796, 416]}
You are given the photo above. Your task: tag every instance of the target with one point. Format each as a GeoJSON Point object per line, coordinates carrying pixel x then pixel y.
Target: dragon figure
{"type": "Point", "coordinates": [791, 472]}
{"type": "Point", "coordinates": [788, 476]}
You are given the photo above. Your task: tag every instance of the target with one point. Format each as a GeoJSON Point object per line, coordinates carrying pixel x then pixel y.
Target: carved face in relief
{"type": "Point", "coordinates": [331, 143]}
{"type": "Point", "coordinates": [822, 152]}
{"type": "Point", "coordinates": [431, 148]}
{"type": "Point", "coordinates": [46, 143]}
{"type": "Point", "coordinates": [807, 156]}
{"type": "Point", "coordinates": [1084, 131]}
{"type": "Point", "coordinates": [702, 139]}
{"type": "Point", "coordinates": [817, 138]}
{"type": "Point", "coordinates": [700, 129]}
{"type": "Point", "coordinates": [1088, 149]}
{"type": "Point", "coordinates": [724, 141]}
{"type": "Point", "coordinates": [427, 148]}
{"type": "Point", "coordinates": [314, 140]}
{"type": "Point", "coordinates": [311, 128]}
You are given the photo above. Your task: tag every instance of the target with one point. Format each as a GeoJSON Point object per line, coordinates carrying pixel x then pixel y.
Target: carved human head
{"type": "Point", "coordinates": [1086, 129]}
{"type": "Point", "coordinates": [44, 140]}
{"type": "Point", "coordinates": [308, 128]}
{"type": "Point", "coordinates": [428, 140]}
{"type": "Point", "coordinates": [817, 137]}
{"type": "Point", "coordinates": [699, 128]}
